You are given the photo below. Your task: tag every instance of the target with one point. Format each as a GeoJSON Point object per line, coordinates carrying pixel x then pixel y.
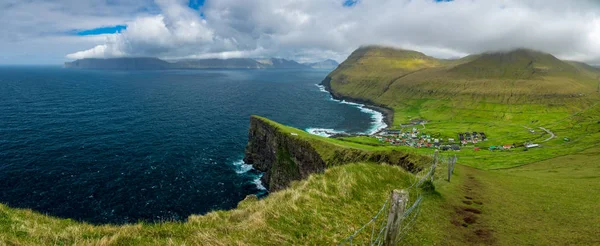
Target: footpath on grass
{"type": "Point", "coordinates": [552, 202]}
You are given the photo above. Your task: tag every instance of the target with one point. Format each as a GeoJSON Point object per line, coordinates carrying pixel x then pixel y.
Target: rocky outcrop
{"type": "Point", "coordinates": [281, 156]}
{"type": "Point", "coordinates": [284, 157]}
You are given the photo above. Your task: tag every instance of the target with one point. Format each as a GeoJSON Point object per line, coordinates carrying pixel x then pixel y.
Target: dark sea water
{"type": "Point", "coordinates": [118, 147]}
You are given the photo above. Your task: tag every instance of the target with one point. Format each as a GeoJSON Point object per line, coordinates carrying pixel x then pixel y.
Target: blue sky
{"type": "Point", "coordinates": [51, 32]}
{"type": "Point", "coordinates": [101, 30]}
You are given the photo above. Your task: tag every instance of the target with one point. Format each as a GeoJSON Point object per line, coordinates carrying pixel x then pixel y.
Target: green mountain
{"type": "Point", "coordinates": [389, 77]}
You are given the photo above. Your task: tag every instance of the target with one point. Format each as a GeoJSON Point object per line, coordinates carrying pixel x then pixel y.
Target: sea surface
{"type": "Point", "coordinates": [127, 146]}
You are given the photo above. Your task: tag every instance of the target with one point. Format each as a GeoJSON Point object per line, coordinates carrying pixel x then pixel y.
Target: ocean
{"type": "Point", "coordinates": [126, 146]}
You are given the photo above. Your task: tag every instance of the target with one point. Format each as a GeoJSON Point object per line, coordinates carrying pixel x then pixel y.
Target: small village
{"type": "Point", "coordinates": [410, 135]}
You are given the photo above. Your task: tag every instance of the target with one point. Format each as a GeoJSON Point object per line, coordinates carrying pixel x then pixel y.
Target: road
{"type": "Point", "coordinates": [549, 132]}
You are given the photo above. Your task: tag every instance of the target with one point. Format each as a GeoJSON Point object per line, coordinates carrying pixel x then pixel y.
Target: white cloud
{"type": "Point", "coordinates": [317, 29]}
{"type": "Point", "coordinates": [177, 31]}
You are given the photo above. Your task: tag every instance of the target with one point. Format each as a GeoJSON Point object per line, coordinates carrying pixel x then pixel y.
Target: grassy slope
{"type": "Point", "coordinates": [324, 209]}
{"type": "Point", "coordinates": [549, 202]}
{"type": "Point", "coordinates": [552, 202]}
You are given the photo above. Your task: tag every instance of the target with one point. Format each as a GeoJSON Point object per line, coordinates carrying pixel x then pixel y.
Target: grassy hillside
{"type": "Point", "coordinates": [369, 71]}
{"type": "Point", "coordinates": [390, 77]}
{"type": "Point", "coordinates": [503, 94]}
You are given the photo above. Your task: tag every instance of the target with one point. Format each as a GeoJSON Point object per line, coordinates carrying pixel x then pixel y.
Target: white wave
{"type": "Point", "coordinates": [322, 132]}
{"type": "Point", "coordinates": [258, 183]}
{"type": "Point", "coordinates": [378, 120]}
{"type": "Point", "coordinates": [322, 88]}
{"type": "Point", "coordinates": [241, 167]}
{"type": "Point", "coordinates": [378, 123]}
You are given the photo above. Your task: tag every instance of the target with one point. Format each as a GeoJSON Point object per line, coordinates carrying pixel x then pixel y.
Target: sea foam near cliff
{"type": "Point", "coordinates": [243, 168]}
{"type": "Point", "coordinates": [377, 124]}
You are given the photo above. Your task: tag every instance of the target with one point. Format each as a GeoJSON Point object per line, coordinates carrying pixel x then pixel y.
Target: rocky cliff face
{"type": "Point", "coordinates": [281, 156]}
{"type": "Point", "coordinates": [284, 157]}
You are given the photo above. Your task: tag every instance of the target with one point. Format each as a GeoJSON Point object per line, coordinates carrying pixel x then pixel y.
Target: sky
{"type": "Point", "coordinates": [55, 31]}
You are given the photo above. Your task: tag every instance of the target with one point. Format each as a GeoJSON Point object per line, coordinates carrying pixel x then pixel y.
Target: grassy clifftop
{"type": "Point", "coordinates": [285, 154]}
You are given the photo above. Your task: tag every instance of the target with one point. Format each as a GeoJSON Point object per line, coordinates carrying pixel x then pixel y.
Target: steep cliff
{"type": "Point", "coordinates": [281, 156]}
{"type": "Point", "coordinates": [285, 154]}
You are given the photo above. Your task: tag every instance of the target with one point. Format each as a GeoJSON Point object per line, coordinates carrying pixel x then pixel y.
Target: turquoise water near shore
{"type": "Point", "coordinates": [124, 146]}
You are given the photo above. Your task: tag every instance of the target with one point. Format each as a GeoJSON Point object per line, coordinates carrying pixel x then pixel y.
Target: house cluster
{"type": "Point", "coordinates": [416, 139]}
{"type": "Point", "coordinates": [471, 137]}
{"type": "Point", "coordinates": [503, 147]}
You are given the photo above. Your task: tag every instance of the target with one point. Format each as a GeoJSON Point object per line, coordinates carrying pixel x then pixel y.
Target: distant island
{"type": "Point", "coordinates": [151, 63]}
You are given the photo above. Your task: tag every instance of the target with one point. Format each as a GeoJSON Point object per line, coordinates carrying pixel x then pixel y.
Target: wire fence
{"type": "Point", "coordinates": [376, 226]}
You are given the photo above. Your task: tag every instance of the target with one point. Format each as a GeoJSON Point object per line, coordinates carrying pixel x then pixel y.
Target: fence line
{"type": "Point", "coordinates": [408, 216]}
{"type": "Point", "coordinates": [373, 219]}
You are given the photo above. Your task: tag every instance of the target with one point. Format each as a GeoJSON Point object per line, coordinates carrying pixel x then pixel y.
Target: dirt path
{"type": "Point", "coordinates": [467, 216]}
{"type": "Point", "coordinates": [549, 132]}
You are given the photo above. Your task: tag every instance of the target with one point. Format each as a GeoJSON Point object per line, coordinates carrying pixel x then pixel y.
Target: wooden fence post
{"type": "Point", "coordinates": [398, 203]}
{"type": "Point", "coordinates": [449, 169]}
{"type": "Point", "coordinates": [435, 161]}
{"type": "Point", "coordinates": [451, 164]}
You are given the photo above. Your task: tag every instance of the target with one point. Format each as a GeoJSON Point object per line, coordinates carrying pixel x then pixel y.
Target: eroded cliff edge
{"type": "Point", "coordinates": [286, 154]}
{"type": "Point", "coordinates": [280, 156]}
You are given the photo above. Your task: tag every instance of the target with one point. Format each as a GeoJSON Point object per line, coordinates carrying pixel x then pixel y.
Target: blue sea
{"type": "Point", "coordinates": [126, 146]}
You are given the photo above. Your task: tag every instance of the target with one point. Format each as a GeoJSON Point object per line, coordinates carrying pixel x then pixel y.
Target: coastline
{"type": "Point", "coordinates": [387, 113]}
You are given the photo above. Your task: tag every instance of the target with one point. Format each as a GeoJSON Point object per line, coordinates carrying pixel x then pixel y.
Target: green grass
{"type": "Point", "coordinates": [322, 210]}
{"type": "Point", "coordinates": [549, 202]}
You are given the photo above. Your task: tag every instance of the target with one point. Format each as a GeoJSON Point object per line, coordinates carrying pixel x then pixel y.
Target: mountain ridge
{"type": "Point", "coordinates": [388, 76]}
{"type": "Point", "coordinates": [152, 63]}
{"type": "Point", "coordinates": [326, 64]}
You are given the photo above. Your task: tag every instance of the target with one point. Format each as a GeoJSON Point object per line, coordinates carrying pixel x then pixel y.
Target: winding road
{"type": "Point", "coordinates": [549, 132]}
